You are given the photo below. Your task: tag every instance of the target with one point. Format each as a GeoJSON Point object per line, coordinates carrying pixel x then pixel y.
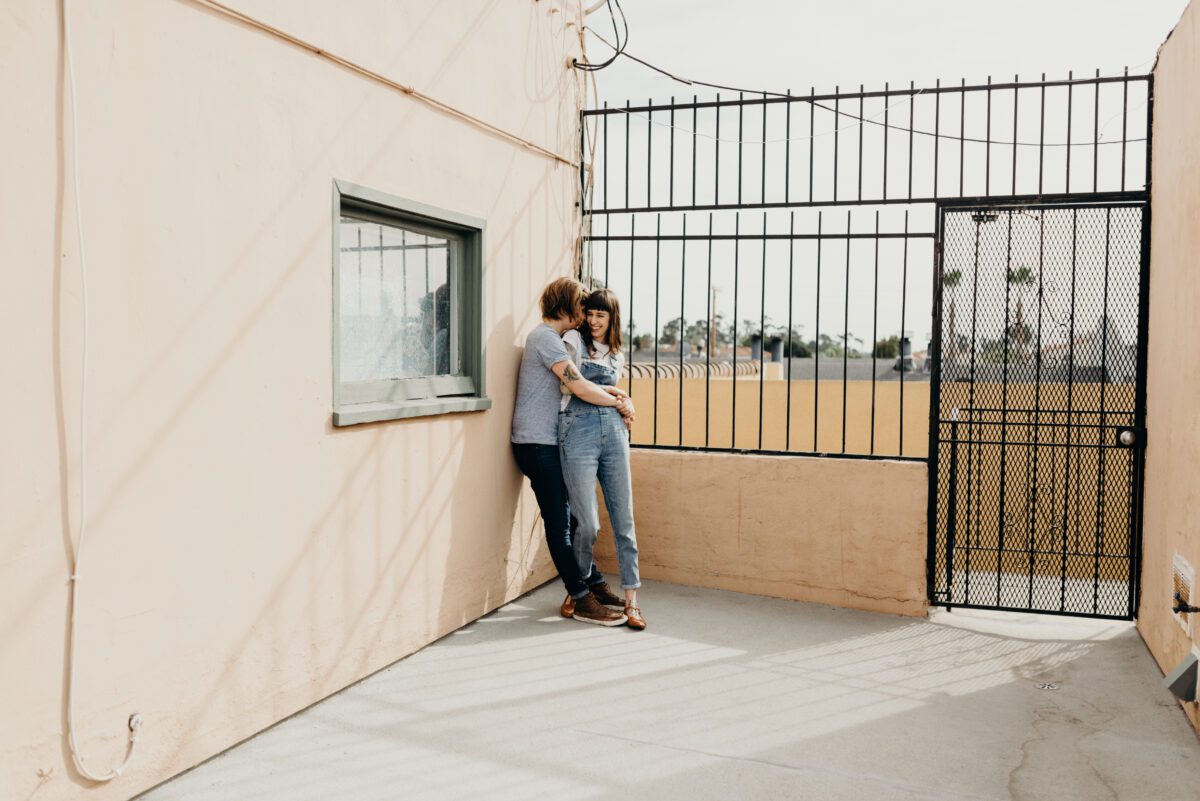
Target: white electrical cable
{"type": "Point", "coordinates": [135, 721]}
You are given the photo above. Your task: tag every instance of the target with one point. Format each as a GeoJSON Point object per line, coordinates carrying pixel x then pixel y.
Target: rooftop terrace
{"type": "Point", "coordinates": [735, 696]}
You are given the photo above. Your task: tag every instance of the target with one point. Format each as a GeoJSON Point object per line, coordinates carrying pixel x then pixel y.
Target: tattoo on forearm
{"type": "Point", "coordinates": [570, 375]}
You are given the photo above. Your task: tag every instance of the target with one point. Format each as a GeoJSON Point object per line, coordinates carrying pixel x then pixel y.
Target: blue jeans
{"type": "Point", "coordinates": [541, 464]}
{"type": "Point", "coordinates": [594, 443]}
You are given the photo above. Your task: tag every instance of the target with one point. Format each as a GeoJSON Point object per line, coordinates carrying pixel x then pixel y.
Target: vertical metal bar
{"type": "Point", "coordinates": [1070, 407]}
{"type": "Point", "coordinates": [1000, 516]}
{"type": "Point", "coordinates": [887, 104]}
{"type": "Point", "coordinates": [737, 247]}
{"type": "Point", "coordinates": [861, 125]}
{"type": "Point", "coordinates": [404, 270]}
{"type": "Point", "coordinates": [836, 134]}
{"type": "Point", "coordinates": [962, 134]}
{"type": "Point", "coordinates": [671, 170]}
{"type": "Point", "coordinates": [764, 149]}
{"type": "Point", "coordinates": [1139, 457]}
{"type": "Point", "coordinates": [607, 248]}
{"type": "Point", "coordinates": [787, 150]}
{"type": "Point", "coordinates": [627, 161]}
{"type": "Point", "coordinates": [789, 354]}
{"type": "Point", "coordinates": [717, 154]}
{"type": "Point", "coordinates": [649, 150]}
{"type": "Point", "coordinates": [695, 128]}
{"type": "Point", "coordinates": [846, 332]}
{"type": "Point", "coordinates": [1096, 137]}
{"type": "Point", "coordinates": [1070, 94]}
{"type": "Point", "coordinates": [432, 306]}
{"type": "Point", "coordinates": [874, 331]}
{"type": "Point", "coordinates": [912, 110]}
{"type": "Point", "coordinates": [1124, 124]}
{"type": "Point", "coordinates": [935, 432]}
{"type": "Point", "coordinates": [937, 132]}
{"type": "Point", "coordinates": [708, 327]}
{"type": "Point", "coordinates": [903, 309]}
{"type": "Point", "coordinates": [762, 328]}
{"type": "Point", "coordinates": [976, 448]}
{"type": "Point", "coordinates": [1101, 432]}
{"type": "Point", "coordinates": [1016, 108]}
{"type": "Point", "coordinates": [604, 156]}
{"type": "Point", "coordinates": [740, 145]}
{"type": "Point", "coordinates": [1031, 524]}
{"type": "Point", "coordinates": [812, 116]}
{"type": "Point", "coordinates": [817, 335]}
{"type": "Point", "coordinates": [358, 230]}
{"type": "Point", "coordinates": [657, 329]}
{"type": "Point", "coordinates": [679, 341]}
{"type": "Point", "coordinates": [632, 295]}
{"type": "Point", "coordinates": [1042, 135]}
{"type": "Point", "coordinates": [987, 143]}
{"type": "Point", "coordinates": [951, 509]}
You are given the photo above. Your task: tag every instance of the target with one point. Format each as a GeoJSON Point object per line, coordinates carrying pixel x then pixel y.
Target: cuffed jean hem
{"type": "Point", "coordinates": [583, 594]}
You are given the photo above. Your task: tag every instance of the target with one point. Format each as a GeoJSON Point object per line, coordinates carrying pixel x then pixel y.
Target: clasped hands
{"type": "Point", "coordinates": [624, 405]}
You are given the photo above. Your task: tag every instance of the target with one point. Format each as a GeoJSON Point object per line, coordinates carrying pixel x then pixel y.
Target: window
{"type": "Point", "coordinates": [408, 309]}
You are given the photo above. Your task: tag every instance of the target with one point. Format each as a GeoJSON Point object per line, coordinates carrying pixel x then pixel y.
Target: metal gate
{"type": "Point", "coordinates": [1036, 435]}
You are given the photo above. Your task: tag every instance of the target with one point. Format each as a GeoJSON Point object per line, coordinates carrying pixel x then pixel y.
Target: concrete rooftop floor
{"type": "Point", "coordinates": [738, 697]}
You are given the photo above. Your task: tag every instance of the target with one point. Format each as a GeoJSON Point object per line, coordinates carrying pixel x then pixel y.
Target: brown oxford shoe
{"type": "Point", "coordinates": [634, 618]}
{"type": "Point", "coordinates": [568, 607]}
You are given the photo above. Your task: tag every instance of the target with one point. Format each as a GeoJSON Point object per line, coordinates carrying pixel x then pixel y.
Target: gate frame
{"type": "Point", "coordinates": [1139, 198]}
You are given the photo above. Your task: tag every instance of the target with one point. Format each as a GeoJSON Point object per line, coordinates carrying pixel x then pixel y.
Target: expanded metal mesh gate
{"type": "Point", "coordinates": [1038, 434]}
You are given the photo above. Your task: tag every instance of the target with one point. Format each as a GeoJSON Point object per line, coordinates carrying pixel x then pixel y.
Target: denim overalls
{"type": "Point", "coordinates": [594, 444]}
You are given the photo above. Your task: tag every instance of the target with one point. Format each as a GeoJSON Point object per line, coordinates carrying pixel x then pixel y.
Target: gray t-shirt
{"type": "Point", "coordinates": [535, 418]}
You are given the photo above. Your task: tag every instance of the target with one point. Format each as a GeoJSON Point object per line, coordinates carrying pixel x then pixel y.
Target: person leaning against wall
{"type": "Point", "coordinates": [545, 366]}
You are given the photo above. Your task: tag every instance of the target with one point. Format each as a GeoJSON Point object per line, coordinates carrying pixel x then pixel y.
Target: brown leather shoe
{"type": "Point", "coordinates": [568, 607]}
{"type": "Point", "coordinates": [590, 610]}
{"type": "Point", "coordinates": [634, 618]}
{"type": "Point", "coordinates": [605, 596]}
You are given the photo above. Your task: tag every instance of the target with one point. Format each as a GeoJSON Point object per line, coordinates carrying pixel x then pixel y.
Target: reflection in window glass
{"type": "Point", "coordinates": [395, 302]}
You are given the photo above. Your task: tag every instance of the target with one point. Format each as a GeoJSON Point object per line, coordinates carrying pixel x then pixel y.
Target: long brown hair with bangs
{"type": "Point", "coordinates": [603, 300]}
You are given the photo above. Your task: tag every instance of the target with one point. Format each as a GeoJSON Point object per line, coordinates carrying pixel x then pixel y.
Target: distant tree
{"type": "Point", "coordinates": [670, 332]}
{"type": "Point", "coordinates": [888, 348]}
{"type": "Point", "coordinates": [951, 280]}
{"type": "Point", "coordinates": [1020, 280]}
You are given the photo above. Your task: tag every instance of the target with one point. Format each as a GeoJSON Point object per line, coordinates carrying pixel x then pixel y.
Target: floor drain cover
{"type": "Point", "coordinates": [1047, 685]}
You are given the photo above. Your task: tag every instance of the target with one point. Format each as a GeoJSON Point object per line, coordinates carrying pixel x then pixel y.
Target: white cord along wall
{"type": "Point", "coordinates": [135, 720]}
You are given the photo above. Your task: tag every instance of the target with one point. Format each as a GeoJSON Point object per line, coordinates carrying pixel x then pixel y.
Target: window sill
{"type": "Point", "coordinates": [354, 414]}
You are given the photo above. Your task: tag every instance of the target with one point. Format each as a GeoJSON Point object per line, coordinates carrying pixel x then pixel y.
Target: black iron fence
{"type": "Point", "coordinates": [778, 251]}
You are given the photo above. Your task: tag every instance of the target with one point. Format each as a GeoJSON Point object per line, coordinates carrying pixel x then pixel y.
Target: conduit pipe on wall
{"type": "Point", "coordinates": [135, 720]}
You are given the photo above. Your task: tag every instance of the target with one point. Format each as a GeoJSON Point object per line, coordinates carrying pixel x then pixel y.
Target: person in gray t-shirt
{"type": "Point", "coordinates": [545, 365]}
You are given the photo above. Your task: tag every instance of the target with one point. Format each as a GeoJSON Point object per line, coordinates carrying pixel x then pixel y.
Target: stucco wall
{"type": "Point", "coordinates": [846, 532]}
{"type": "Point", "coordinates": [1171, 518]}
{"type": "Point", "coordinates": [244, 558]}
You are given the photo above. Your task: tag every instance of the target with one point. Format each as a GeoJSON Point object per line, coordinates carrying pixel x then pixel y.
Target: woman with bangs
{"type": "Point", "coordinates": [594, 445]}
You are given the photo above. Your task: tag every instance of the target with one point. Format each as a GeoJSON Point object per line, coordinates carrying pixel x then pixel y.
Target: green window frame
{"type": "Point", "coordinates": [460, 386]}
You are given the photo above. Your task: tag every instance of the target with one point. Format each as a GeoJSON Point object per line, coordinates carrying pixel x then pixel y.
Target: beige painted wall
{"type": "Point", "coordinates": [1172, 501]}
{"type": "Point", "coordinates": [245, 559]}
{"type": "Point", "coordinates": [846, 532]}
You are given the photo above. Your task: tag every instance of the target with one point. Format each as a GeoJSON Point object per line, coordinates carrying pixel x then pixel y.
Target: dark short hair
{"type": "Point", "coordinates": [603, 300]}
{"type": "Point", "coordinates": [562, 297]}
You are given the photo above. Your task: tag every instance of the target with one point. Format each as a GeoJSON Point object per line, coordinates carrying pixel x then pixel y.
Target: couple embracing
{"type": "Point", "coordinates": [571, 428]}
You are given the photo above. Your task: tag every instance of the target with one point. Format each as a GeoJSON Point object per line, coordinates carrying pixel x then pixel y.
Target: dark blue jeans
{"type": "Point", "coordinates": [541, 464]}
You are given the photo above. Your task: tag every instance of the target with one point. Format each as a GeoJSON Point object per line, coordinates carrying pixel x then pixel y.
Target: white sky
{"type": "Point", "coordinates": [778, 45]}
{"type": "Point", "coordinates": [781, 44]}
